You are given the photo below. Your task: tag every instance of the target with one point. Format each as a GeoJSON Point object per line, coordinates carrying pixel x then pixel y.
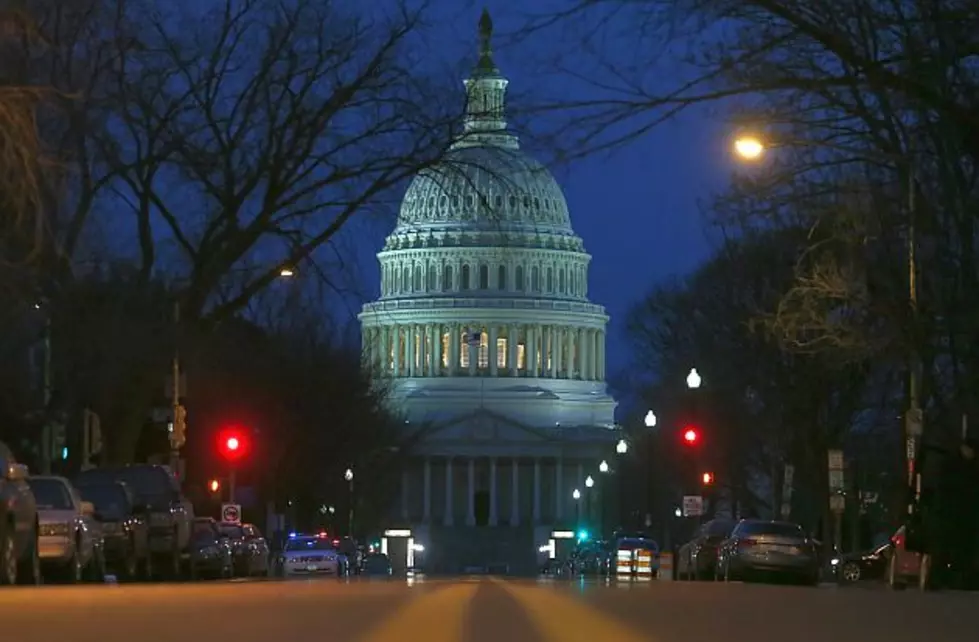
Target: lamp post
{"type": "Point", "coordinates": [349, 476]}
{"type": "Point", "coordinates": [603, 495]}
{"type": "Point", "coordinates": [650, 419]}
{"type": "Point", "coordinates": [576, 495]}
{"type": "Point", "coordinates": [589, 485]}
{"type": "Point", "coordinates": [622, 447]}
{"type": "Point", "coordinates": [693, 379]}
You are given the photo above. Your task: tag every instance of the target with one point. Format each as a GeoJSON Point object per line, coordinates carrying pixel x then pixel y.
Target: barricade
{"type": "Point", "coordinates": [623, 562]}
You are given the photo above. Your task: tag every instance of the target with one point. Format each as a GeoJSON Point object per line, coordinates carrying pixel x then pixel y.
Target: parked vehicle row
{"type": "Point", "coordinates": [130, 521]}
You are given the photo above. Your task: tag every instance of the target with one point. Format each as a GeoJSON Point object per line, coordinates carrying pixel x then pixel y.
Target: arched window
{"type": "Point", "coordinates": [405, 278]}
{"type": "Point", "coordinates": [573, 277]}
{"type": "Point", "coordinates": [535, 279]}
{"type": "Point", "coordinates": [447, 278]}
{"type": "Point", "coordinates": [501, 278]}
{"type": "Point", "coordinates": [483, 277]}
{"type": "Point", "coordinates": [464, 285]}
{"type": "Point", "coordinates": [433, 278]}
{"type": "Point", "coordinates": [417, 285]}
{"type": "Point", "coordinates": [518, 277]}
{"type": "Point", "coordinates": [560, 281]}
{"type": "Point", "coordinates": [550, 279]}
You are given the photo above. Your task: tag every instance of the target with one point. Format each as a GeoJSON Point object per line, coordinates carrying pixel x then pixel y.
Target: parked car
{"type": "Point", "coordinates": [697, 559]}
{"type": "Point", "coordinates": [19, 550]}
{"type": "Point", "coordinates": [863, 565]}
{"type": "Point", "coordinates": [776, 548]}
{"type": "Point", "coordinates": [171, 515]}
{"type": "Point", "coordinates": [70, 543]}
{"type": "Point", "coordinates": [258, 550]}
{"type": "Point", "coordinates": [210, 551]}
{"type": "Point", "coordinates": [125, 529]}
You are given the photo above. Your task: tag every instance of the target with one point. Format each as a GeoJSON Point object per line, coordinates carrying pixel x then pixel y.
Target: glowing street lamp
{"type": "Point", "coordinates": [749, 148]}
{"type": "Point", "coordinates": [576, 494]}
{"type": "Point", "coordinates": [603, 467]}
{"type": "Point", "coordinates": [693, 379]}
{"type": "Point", "coordinates": [287, 272]}
{"type": "Point", "coordinates": [650, 419]}
{"type": "Point", "coordinates": [622, 447]}
{"type": "Point", "coordinates": [589, 482]}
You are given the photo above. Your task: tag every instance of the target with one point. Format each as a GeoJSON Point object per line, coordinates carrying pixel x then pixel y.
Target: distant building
{"type": "Point", "coordinates": [490, 344]}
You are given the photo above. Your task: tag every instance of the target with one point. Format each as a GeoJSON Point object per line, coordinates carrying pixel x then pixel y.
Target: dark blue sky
{"type": "Point", "coordinates": [637, 207]}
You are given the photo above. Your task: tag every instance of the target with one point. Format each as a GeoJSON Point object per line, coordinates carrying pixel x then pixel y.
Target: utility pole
{"type": "Point", "coordinates": [47, 429]}
{"type": "Point", "coordinates": [178, 425]}
{"type": "Point", "coordinates": [914, 421]}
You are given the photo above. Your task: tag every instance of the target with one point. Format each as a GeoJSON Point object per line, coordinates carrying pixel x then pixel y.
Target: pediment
{"type": "Point", "coordinates": [486, 426]}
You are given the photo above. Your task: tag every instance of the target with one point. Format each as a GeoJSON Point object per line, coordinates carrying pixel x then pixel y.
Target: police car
{"type": "Point", "coordinates": [310, 555]}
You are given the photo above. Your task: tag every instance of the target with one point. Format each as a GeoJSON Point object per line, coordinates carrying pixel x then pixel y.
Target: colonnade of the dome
{"type": "Point", "coordinates": [476, 349]}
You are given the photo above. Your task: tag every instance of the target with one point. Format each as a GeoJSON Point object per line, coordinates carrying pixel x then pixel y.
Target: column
{"type": "Point", "coordinates": [559, 497]}
{"type": "Point", "coordinates": [492, 335]}
{"type": "Point", "coordinates": [493, 507]}
{"type": "Point", "coordinates": [515, 493]}
{"type": "Point", "coordinates": [593, 359]}
{"type": "Point", "coordinates": [454, 332]}
{"type": "Point", "coordinates": [558, 341]}
{"type": "Point", "coordinates": [581, 354]}
{"type": "Point", "coordinates": [437, 350]}
{"type": "Point", "coordinates": [365, 342]}
{"type": "Point", "coordinates": [397, 352]}
{"type": "Point", "coordinates": [531, 342]}
{"type": "Point", "coordinates": [569, 335]}
{"type": "Point", "coordinates": [536, 490]}
{"type": "Point", "coordinates": [473, 350]}
{"type": "Point", "coordinates": [404, 495]}
{"type": "Point", "coordinates": [448, 492]}
{"type": "Point", "coordinates": [385, 355]}
{"type": "Point", "coordinates": [512, 344]}
{"type": "Point", "coordinates": [552, 351]}
{"type": "Point", "coordinates": [427, 490]}
{"type": "Point", "coordinates": [471, 507]}
{"type": "Point", "coordinates": [601, 355]}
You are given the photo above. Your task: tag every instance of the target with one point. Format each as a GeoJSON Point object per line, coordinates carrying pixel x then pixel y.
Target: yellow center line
{"type": "Point", "coordinates": [560, 618]}
{"type": "Point", "coordinates": [436, 616]}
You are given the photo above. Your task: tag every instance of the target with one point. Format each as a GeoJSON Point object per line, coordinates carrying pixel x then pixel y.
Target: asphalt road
{"type": "Point", "coordinates": [481, 610]}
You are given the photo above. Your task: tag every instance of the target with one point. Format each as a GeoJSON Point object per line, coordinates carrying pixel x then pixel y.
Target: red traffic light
{"type": "Point", "coordinates": [691, 436]}
{"type": "Point", "coordinates": [232, 444]}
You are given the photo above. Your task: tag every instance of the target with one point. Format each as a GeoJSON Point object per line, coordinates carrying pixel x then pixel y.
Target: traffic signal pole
{"type": "Point", "coordinates": [175, 415]}
{"type": "Point", "coordinates": [231, 484]}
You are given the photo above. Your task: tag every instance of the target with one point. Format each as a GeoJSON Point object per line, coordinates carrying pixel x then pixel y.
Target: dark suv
{"type": "Point", "coordinates": [125, 528]}
{"type": "Point", "coordinates": [19, 562]}
{"type": "Point", "coordinates": [170, 514]}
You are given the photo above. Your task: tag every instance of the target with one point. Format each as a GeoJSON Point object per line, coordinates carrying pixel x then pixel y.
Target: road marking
{"type": "Point", "coordinates": [440, 614]}
{"type": "Point", "coordinates": [559, 618]}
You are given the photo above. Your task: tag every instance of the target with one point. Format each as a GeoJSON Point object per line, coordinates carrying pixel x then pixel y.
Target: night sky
{"type": "Point", "coordinates": [637, 208]}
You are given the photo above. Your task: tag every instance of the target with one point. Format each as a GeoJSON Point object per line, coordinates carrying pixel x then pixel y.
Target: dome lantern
{"type": "Point", "coordinates": [485, 121]}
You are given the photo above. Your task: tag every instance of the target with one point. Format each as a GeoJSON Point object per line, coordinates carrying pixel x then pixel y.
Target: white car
{"type": "Point", "coordinates": [310, 555]}
{"type": "Point", "coordinates": [70, 540]}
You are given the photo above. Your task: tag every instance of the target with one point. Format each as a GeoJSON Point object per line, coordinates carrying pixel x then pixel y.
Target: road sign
{"type": "Point", "coordinates": [836, 460]}
{"type": "Point", "coordinates": [693, 505]}
{"type": "Point", "coordinates": [231, 513]}
{"type": "Point", "coordinates": [836, 480]}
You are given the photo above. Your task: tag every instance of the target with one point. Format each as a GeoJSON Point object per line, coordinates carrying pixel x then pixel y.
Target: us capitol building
{"type": "Point", "coordinates": [490, 346]}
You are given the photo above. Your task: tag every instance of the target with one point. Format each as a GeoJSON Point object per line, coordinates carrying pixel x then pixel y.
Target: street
{"type": "Point", "coordinates": [481, 609]}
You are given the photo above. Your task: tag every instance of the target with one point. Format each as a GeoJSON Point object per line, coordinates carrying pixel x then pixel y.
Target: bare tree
{"type": "Point", "coordinates": [255, 134]}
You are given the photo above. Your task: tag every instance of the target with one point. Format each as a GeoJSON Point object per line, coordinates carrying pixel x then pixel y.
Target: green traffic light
{"type": "Point", "coordinates": [582, 535]}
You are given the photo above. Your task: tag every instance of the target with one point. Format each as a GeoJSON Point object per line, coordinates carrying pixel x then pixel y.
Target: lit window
{"type": "Point", "coordinates": [445, 349]}
{"type": "Point", "coordinates": [521, 356]}
{"type": "Point", "coordinates": [419, 344]}
{"type": "Point", "coordinates": [483, 361]}
{"type": "Point", "coordinates": [501, 348]}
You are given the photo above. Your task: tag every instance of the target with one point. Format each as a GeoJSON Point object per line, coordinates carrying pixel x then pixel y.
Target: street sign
{"type": "Point", "coordinates": [836, 460]}
{"type": "Point", "coordinates": [836, 480]}
{"type": "Point", "coordinates": [693, 505]}
{"type": "Point", "coordinates": [837, 503]}
{"type": "Point", "coordinates": [231, 513]}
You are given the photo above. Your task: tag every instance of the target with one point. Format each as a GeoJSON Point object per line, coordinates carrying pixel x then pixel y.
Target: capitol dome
{"type": "Point", "coordinates": [484, 284]}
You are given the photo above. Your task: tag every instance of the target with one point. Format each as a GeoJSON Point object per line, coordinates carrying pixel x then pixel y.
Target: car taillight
{"type": "Point", "coordinates": [898, 541]}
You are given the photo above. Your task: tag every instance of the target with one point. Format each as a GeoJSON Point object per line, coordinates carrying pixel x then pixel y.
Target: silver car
{"type": "Point", "coordinates": [758, 547]}
{"type": "Point", "coordinates": [70, 541]}
{"type": "Point", "coordinates": [309, 555]}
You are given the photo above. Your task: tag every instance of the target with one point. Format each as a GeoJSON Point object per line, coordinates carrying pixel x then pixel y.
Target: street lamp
{"type": "Point", "coordinates": [750, 148]}
{"type": "Point", "coordinates": [349, 476]}
{"type": "Point", "coordinates": [650, 419]}
{"type": "Point", "coordinates": [287, 272]}
{"type": "Point", "coordinates": [693, 379]}
{"type": "Point", "coordinates": [622, 447]}
{"type": "Point", "coordinates": [603, 467]}
{"type": "Point", "coordinates": [589, 482]}
{"type": "Point", "coordinates": [576, 494]}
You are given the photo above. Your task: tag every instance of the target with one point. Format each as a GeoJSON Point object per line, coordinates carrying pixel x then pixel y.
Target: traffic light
{"type": "Point", "coordinates": [233, 444]}
{"type": "Point", "coordinates": [214, 485]}
{"type": "Point", "coordinates": [708, 479]}
{"type": "Point", "coordinates": [178, 437]}
{"type": "Point", "coordinates": [582, 535]}
{"type": "Point", "coordinates": [691, 436]}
